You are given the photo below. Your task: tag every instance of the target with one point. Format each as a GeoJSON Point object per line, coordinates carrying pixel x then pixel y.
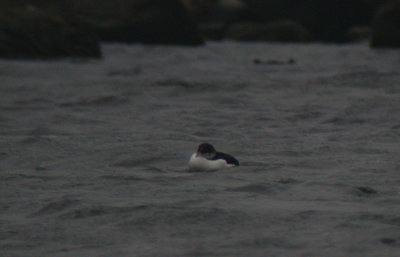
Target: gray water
{"type": "Point", "coordinates": [93, 153]}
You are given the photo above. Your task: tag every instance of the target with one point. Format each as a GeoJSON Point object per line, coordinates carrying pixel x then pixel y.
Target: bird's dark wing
{"type": "Point", "coordinates": [228, 158]}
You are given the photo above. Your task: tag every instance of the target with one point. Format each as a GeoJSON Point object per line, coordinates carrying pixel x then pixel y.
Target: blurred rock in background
{"type": "Point", "coordinates": [28, 32]}
{"type": "Point", "coordinates": [281, 31]}
{"type": "Point", "coordinates": [327, 21]}
{"type": "Point", "coordinates": [137, 21]}
{"type": "Point", "coordinates": [73, 28]}
{"type": "Point", "coordinates": [335, 21]}
{"type": "Point", "coordinates": [386, 26]}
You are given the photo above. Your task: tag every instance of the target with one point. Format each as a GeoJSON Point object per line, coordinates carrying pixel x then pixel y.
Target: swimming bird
{"type": "Point", "coordinates": [206, 158]}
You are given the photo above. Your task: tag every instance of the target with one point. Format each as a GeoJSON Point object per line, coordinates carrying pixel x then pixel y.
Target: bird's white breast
{"type": "Point", "coordinates": [202, 164]}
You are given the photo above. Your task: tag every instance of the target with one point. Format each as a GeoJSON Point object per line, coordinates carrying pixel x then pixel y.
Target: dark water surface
{"type": "Point", "coordinates": [93, 154]}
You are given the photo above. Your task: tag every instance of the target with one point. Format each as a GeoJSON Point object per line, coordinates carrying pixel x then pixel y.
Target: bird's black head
{"type": "Point", "coordinates": [206, 150]}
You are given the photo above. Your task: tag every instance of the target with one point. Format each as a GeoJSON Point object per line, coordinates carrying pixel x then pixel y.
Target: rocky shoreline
{"type": "Point", "coordinates": [41, 29]}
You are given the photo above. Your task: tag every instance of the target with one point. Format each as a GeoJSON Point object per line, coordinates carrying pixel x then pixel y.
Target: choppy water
{"type": "Point", "coordinates": [93, 154]}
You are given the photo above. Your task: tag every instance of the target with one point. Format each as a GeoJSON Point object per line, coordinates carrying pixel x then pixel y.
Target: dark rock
{"type": "Point", "coordinates": [330, 20]}
{"type": "Point", "coordinates": [247, 32]}
{"type": "Point", "coordinates": [32, 33]}
{"type": "Point", "coordinates": [355, 34]}
{"type": "Point", "coordinates": [231, 10]}
{"type": "Point", "coordinates": [212, 11]}
{"type": "Point", "coordinates": [143, 21]}
{"type": "Point", "coordinates": [386, 26]}
{"type": "Point", "coordinates": [213, 30]}
{"type": "Point", "coordinates": [288, 31]}
{"type": "Point", "coordinates": [283, 31]}
{"type": "Point", "coordinates": [327, 20]}
{"type": "Point", "coordinates": [200, 10]}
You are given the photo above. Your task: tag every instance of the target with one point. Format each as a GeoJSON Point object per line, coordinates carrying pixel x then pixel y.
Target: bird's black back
{"type": "Point", "coordinates": [228, 158]}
